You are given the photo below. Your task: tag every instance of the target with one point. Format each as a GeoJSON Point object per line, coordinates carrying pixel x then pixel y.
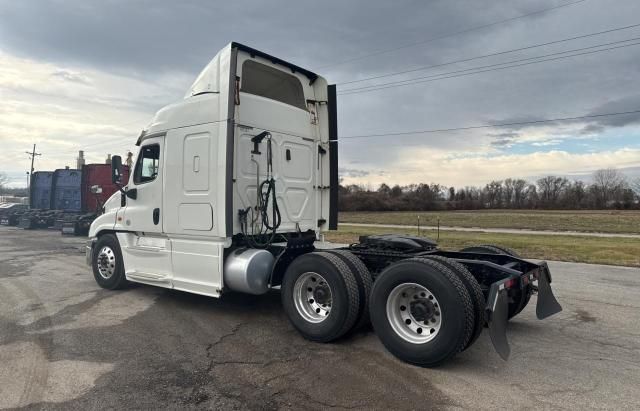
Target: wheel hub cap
{"type": "Point", "coordinates": [422, 309]}
{"type": "Point", "coordinates": [414, 313]}
{"type": "Point", "coordinates": [106, 262]}
{"type": "Point", "coordinates": [322, 294]}
{"type": "Point", "coordinates": [312, 297]}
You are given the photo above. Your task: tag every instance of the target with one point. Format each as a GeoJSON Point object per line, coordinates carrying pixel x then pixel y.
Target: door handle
{"type": "Point", "coordinates": [156, 216]}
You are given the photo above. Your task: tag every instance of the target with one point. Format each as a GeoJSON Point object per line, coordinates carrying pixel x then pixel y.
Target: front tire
{"type": "Point", "coordinates": [421, 311]}
{"type": "Point", "coordinates": [107, 263]}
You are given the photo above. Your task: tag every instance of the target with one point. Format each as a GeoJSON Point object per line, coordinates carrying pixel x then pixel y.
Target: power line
{"type": "Point", "coordinates": [413, 80]}
{"type": "Point", "coordinates": [99, 145]}
{"type": "Point", "coordinates": [444, 36]}
{"type": "Point", "coordinates": [449, 75]}
{"type": "Point", "coordinates": [396, 73]}
{"type": "Point", "coordinates": [105, 143]}
{"type": "Point", "coordinates": [518, 123]}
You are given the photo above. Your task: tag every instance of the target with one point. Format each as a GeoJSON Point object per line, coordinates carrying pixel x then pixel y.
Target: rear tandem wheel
{"type": "Point", "coordinates": [421, 311]}
{"type": "Point", "coordinates": [321, 297]}
{"type": "Point", "coordinates": [475, 292]}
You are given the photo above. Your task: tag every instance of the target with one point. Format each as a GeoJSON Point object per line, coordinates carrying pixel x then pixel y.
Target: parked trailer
{"type": "Point", "coordinates": [40, 213]}
{"type": "Point", "coordinates": [231, 190]}
{"type": "Point", "coordinates": [67, 190]}
{"type": "Point", "coordinates": [35, 219]}
{"type": "Point", "coordinates": [11, 212]}
{"type": "Point", "coordinates": [40, 190]}
{"type": "Point", "coordinates": [52, 195]}
{"type": "Point", "coordinates": [98, 175]}
{"type": "Point", "coordinates": [95, 189]}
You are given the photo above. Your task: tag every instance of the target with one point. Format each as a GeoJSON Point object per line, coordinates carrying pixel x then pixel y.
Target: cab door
{"type": "Point", "coordinates": [146, 249]}
{"type": "Point", "coordinates": [143, 213]}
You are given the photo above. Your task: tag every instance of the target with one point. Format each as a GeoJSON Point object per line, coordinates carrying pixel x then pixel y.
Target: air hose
{"type": "Point", "coordinates": [262, 233]}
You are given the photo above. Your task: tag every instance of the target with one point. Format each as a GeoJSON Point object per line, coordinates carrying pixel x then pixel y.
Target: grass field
{"type": "Point", "coordinates": [614, 251]}
{"type": "Point", "coordinates": [605, 221]}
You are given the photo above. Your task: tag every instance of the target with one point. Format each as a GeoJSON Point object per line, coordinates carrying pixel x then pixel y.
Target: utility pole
{"type": "Point", "coordinates": [32, 155]}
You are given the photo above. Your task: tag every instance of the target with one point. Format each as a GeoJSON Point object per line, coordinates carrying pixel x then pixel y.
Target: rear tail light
{"type": "Point", "coordinates": [510, 282]}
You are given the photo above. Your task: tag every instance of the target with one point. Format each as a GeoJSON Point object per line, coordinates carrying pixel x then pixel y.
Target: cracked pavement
{"type": "Point", "coordinates": [67, 344]}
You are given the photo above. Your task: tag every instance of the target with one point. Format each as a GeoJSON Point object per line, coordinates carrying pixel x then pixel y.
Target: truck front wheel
{"type": "Point", "coordinates": [107, 264]}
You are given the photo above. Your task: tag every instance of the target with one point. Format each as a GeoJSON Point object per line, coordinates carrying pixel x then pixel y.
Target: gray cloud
{"type": "Point", "coordinates": [501, 140]}
{"type": "Point", "coordinates": [147, 39]}
{"type": "Point", "coordinates": [67, 75]}
{"type": "Point", "coordinates": [352, 172]}
{"type": "Point", "coordinates": [628, 103]}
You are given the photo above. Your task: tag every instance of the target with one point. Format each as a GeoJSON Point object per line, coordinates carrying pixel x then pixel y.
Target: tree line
{"type": "Point", "coordinates": [608, 188]}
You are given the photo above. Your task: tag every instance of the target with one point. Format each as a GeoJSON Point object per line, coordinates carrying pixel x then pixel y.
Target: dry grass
{"type": "Point", "coordinates": [606, 221]}
{"type": "Point", "coordinates": [614, 251]}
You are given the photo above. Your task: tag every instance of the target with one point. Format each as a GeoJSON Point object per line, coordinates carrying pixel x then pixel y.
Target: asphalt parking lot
{"type": "Point", "coordinates": [67, 344]}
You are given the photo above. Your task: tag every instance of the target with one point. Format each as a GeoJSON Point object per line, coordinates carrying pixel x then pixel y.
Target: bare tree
{"type": "Point", "coordinates": [519, 186]}
{"type": "Point", "coordinates": [396, 191]}
{"type": "Point", "coordinates": [550, 188]}
{"type": "Point", "coordinates": [508, 192]}
{"type": "Point", "coordinates": [384, 189]}
{"type": "Point", "coordinates": [635, 185]}
{"type": "Point", "coordinates": [494, 194]}
{"type": "Point", "coordinates": [3, 181]}
{"type": "Point", "coordinates": [608, 183]}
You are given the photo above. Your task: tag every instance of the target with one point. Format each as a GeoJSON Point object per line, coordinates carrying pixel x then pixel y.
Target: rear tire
{"type": "Point", "coordinates": [320, 295]}
{"type": "Point", "coordinates": [421, 311]}
{"type": "Point", "coordinates": [474, 290]}
{"type": "Point", "coordinates": [365, 283]}
{"type": "Point", "coordinates": [107, 263]}
{"type": "Point", "coordinates": [520, 298]}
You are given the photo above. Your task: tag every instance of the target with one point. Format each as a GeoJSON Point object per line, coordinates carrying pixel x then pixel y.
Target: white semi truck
{"type": "Point", "coordinates": [231, 191]}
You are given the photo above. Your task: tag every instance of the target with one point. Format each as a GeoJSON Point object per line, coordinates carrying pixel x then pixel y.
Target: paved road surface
{"type": "Point", "coordinates": [496, 230]}
{"type": "Point", "coordinates": [67, 344]}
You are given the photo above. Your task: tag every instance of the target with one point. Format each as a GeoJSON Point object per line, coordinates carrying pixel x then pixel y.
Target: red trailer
{"type": "Point", "coordinates": [95, 188]}
{"type": "Point", "coordinates": [98, 175]}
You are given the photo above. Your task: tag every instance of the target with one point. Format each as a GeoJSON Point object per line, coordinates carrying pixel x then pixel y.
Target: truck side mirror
{"type": "Point", "coordinates": [96, 189]}
{"type": "Point", "coordinates": [116, 169]}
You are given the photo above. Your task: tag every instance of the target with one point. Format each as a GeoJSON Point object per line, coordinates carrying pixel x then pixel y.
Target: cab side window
{"type": "Point", "coordinates": [147, 164]}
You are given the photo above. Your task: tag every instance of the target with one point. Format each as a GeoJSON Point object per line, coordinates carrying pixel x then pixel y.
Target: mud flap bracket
{"type": "Point", "coordinates": [498, 310]}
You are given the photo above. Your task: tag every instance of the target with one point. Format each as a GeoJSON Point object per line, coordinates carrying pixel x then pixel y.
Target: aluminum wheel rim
{"type": "Point", "coordinates": [312, 297]}
{"type": "Point", "coordinates": [414, 313]}
{"type": "Point", "coordinates": [106, 262]}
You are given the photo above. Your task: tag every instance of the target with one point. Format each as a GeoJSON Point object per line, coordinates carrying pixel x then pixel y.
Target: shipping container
{"type": "Point", "coordinates": [67, 190]}
{"type": "Point", "coordinates": [98, 175]}
{"type": "Point", "coordinates": [41, 193]}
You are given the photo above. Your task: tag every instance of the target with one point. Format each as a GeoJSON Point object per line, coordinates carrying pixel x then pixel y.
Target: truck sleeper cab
{"type": "Point", "coordinates": [231, 189]}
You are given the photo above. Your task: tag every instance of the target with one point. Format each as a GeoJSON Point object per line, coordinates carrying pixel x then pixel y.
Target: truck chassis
{"type": "Point", "coordinates": [425, 304]}
{"type": "Point", "coordinates": [492, 284]}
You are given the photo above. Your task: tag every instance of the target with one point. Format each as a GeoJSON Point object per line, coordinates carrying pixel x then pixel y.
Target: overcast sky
{"type": "Point", "coordinates": [90, 75]}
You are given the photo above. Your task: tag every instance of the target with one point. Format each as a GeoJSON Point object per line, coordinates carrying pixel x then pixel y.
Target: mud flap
{"type": "Point", "coordinates": [499, 316]}
{"type": "Point", "coordinates": [547, 304]}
